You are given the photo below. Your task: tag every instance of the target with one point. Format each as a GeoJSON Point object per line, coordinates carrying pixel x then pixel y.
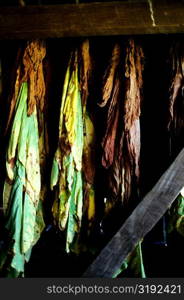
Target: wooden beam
{"type": "Point", "coordinates": [140, 222]}
{"type": "Point", "coordinates": [91, 19]}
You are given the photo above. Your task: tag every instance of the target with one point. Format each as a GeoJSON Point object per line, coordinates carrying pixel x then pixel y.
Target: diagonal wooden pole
{"type": "Point", "coordinates": [140, 222]}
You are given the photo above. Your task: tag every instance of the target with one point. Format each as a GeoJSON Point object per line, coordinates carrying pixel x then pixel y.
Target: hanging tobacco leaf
{"type": "Point", "coordinates": [22, 205]}
{"type": "Point", "coordinates": [24, 189]}
{"type": "Point", "coordinates": [175, 126]}
{"type": "Point", "coordinates": [113, 83]}
{"type": "Point", "coordinates": [121, 141]}
{"type": "Point", "coordinates": [73, 166]}
{"type": "Point", "coordinates": [66, 174]}
{"type": "Point", "coordinates": [132, 110]}
{"type": "Point", "coordinates": [88, 159]}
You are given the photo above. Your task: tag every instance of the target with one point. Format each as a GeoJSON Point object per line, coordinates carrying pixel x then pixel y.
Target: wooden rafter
{"type": "Point", "coordinates": [91, 19]}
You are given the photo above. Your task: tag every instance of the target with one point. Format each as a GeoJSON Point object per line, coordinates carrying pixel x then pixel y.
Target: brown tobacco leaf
{"type": "Point", "coordinates": [131, 161]}
{"type": "Point", "coordinates": [121, 142]}
{"type": "Point", "coordinates": [116, 178]}
{"type": "Point", "coordinates": [109, 77]}
{"type": "Point", "coordinates": [89, 139]}
{"type": "Point", "coordinates": [108, 142]}
{"type": "Point", "coordinates": [85, 72]}
{"type": "Point", "coordinates": [175, 107]}
{"type": "Point", "coordinates": [33, 73]}
{"type": "Point", "coordinates": [132, 110]}
{"type": "Point", "coordinates": [89, 151]}
{"type": "Point", "coordinates": [112, 142]}
{"type": "Point", "coordinates": [89, 168]}
{"type": "Point", "coordinates": [174, 92]}
{"type": "Point", "coordinates": [133, 72]}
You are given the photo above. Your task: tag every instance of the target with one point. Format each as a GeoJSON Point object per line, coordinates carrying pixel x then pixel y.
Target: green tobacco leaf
{"type": "Point", "coordinates": [23, 210]}
{"type": "Point", "coordinates": [134, 262]}
{"type": "Point", "coordinates": [67, 164]}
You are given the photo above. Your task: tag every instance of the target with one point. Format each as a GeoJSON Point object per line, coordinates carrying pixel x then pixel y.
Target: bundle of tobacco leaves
{"type": "Point", "coordinates": [132, 111]}
{"type": "Point", "coordinates": [26, 157]}
{"type": "Point", "coordinates": [121, 95]}
{"type": "Point", "coordinates": [73, 169]}
{"type": "Point", "coordinates": [121, 141]}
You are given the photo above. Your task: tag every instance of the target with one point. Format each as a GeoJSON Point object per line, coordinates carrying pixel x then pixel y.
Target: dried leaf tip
{"type": "Point", "coordinates": [33, 73]}
{"type": "Point", "coordinates": [85, 70]}
{"type": "Point", "coordinates": [108, 80]}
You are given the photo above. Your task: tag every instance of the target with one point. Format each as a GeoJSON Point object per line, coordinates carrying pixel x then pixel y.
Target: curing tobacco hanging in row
{"type": "Point", "coordinates": [73, 170]}
{"type": "Point", "coordinates": [26, 155]}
